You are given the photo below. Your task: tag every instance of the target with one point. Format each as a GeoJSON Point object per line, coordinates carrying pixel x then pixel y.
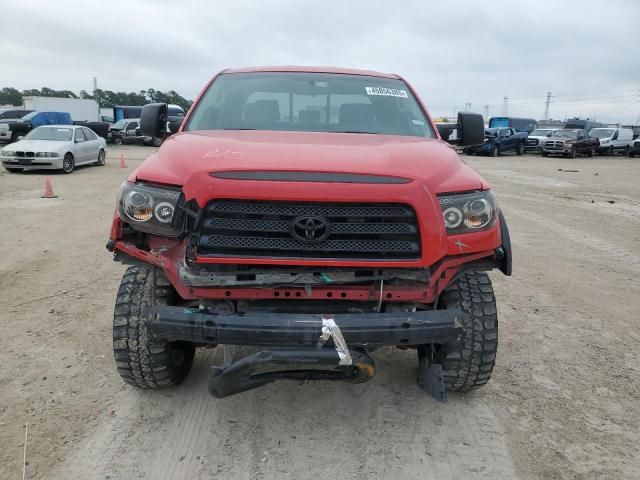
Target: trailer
{"type": "Point", "coordinates": [80, 109]}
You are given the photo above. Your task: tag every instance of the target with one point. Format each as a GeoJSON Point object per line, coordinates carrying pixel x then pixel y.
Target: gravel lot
{"type": "Point", "coordinates": [564, 402]}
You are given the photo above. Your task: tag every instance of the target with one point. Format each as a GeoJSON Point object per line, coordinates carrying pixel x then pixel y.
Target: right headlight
{"type": "Point", "coordinates": [468, 212]}
{"type": "Point", "coordinates": [150, 209]}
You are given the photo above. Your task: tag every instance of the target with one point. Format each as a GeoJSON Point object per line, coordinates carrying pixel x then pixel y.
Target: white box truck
{"type": "Point", "coordinates": [81, 110]}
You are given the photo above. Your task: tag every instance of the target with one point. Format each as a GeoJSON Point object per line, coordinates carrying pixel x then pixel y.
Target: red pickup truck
{"type": "Point", "coordinates": [315, 215]}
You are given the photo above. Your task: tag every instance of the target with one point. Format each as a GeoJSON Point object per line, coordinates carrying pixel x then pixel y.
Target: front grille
{"type": "Point", "coordinates": [532, 142]}
{"type": "Point", "coordinates": [554, 144]}
{"type": "Point", "coordinates": [19, 154]}
{"type": "Point", "coordinates": [255, 229]}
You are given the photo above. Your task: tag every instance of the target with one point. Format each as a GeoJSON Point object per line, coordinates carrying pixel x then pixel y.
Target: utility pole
{"type": "Point", "coordinates": [95, 90]}
{"type": "Point", "coordinates": [505, 106]}
{"type": "Point", "coordinates": [467, 106]}
{"type": "Point", "coordinates": [485, 112]}
{"type": "Point", "coordinates": [546, 107]}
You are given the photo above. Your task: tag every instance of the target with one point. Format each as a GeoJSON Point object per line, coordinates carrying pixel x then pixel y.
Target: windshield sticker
{"type": "Point", "coordinates": [417, 122]}
{"type": "Point", "coordinates": [387, 92]}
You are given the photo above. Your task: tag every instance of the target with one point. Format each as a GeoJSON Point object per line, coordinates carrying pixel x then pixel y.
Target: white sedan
{"type": "Point", "coordinates": [62, 147]}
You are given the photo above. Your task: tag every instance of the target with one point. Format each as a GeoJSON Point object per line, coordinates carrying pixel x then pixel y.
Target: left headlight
{"type": "Point", "coordinates": [150, 209]}
{"type": "Point", "coordinates": [468, 212]}
{"type": "Point", "coordinates": [7, 153]}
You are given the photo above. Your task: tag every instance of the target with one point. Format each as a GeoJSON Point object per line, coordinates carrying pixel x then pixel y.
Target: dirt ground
{"type": "Point", "coordinates": [564, 401]}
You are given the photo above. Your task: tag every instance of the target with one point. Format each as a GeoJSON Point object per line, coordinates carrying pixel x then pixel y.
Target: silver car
{"type": "Point", "coordinates": [55, 147]}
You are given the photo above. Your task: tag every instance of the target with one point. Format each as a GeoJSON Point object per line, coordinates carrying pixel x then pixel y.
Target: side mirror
{"type": "Point", "coordinates": [153, 120]}
{"type": "Point", "coordinates": [470, 129]}
{"type": "Point", "coordinates": [174, 125]}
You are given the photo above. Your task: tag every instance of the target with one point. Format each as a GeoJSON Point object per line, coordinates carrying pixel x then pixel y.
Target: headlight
{"type": "Point", "coordinates": [7, 153]}
{"type": "Point", "coordinates": [468, 212]}
{"type": "Point", "coordinates": [604, 140]}
{"type": "Point", "coordinates": [47, 154]}
{"type": "Point", "coordinates": [150, 209]}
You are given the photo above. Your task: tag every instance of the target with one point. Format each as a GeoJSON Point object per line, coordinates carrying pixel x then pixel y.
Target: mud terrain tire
{"type": "Point", "coordinates": [141, 360]}
{"type": "Point", "coordinates": [469, 362]}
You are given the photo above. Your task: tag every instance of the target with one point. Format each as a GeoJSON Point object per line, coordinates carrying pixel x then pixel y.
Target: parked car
{"type": "Point", "coordinates": [273, 225]}
{"type": "Point", "coordinates": [569, 143]}
{"type": "Point", "coordinates": [612, 140]}
{"type": "Point", "coordinates": [518, 124]}
{"type": "Point", "coordinates": [634, 148]}
{"type": "Point", "coordinates": [57, 147]}
{"type": "Point", "coordinates": [12, 130]}
{"type": "Point", "coordinates": [499, 141]}
{"type": "Point", "coordinates": [537, 138]}
{"type": "Point", "coordinates": [124, 131]}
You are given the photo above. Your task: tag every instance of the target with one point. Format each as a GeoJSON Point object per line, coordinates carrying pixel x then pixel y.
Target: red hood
{"type": "Point", "coordinates": [429, 161]}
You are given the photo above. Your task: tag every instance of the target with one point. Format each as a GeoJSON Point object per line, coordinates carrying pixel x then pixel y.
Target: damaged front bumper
{"type": "Point", "coordinates": [303, 346]}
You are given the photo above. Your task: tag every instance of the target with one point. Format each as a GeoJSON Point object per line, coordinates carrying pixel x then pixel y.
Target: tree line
{"type": "Point", "coordinates": [105, 98]}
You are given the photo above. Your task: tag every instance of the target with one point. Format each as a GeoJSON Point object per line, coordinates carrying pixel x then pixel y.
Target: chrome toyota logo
{"type": "Point", "coordinates": [310, 229]}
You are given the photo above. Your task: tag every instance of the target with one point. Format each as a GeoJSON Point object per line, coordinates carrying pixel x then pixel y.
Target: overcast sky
{"type": "Point", "coordinates": [586, 53]}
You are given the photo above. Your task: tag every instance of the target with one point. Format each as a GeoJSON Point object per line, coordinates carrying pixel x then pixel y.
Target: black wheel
{"type": "Point", "coordinates": [101, 158]}
{"type": "Point", "coordinates": [141, 360]}
{"type": "Point", "coordinates": [468, 363]}
{"type": "Point", "coordinates": [520, 149]}
{"type": "Point", "coordinates": [68, 164]}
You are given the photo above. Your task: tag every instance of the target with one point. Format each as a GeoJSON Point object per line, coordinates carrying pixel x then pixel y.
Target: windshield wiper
{"type": "Point", "coordinates": [354, 131]}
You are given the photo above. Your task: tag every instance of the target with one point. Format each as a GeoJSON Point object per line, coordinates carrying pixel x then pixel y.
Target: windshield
{"type": "Point", "coordinates": [50, 133]}
{"type": "Point", "coordinates": [601, 132]}
{"type": "Point", "coordinates": [119, 124]}
{"type": "Point", "coordinates": [540, 132]}
{"type": "Point", "coordinates": [565, 133]}
{"type": "Point", "coordinates": [310, 102]}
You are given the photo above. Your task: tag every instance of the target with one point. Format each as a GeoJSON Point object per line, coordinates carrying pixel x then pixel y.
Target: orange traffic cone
{"type": "Point", "coordinates": [123, 164]}
{"type": "Point", "coordinates": [48, 189]}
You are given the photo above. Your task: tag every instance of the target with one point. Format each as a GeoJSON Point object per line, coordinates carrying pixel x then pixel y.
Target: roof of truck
{"type": "Point", "coordinates": [294, 68]}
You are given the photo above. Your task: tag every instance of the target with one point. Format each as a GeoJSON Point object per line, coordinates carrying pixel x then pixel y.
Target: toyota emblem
{"type": "Point", "coordinates": [309, 229]}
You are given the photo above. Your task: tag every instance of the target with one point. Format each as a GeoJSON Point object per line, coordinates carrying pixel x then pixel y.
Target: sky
{"type": "Point", "coordinates": [586, 53]}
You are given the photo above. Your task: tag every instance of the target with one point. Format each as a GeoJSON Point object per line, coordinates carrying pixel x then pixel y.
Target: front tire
{"type": "Point", "coordinates": [572, 153]}
{"type": "Point", "coordinates": [143, 361]}
{"type": "Point", "coordinates": [68, 164]}
{"type": "Point", "coordinates": [468, 363]}
{"type": "Point", "coordinates": [520, 150]}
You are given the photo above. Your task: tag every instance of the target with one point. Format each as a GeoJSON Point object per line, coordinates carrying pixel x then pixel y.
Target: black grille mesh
{"type": "Point", "coordinates": [257, 229]}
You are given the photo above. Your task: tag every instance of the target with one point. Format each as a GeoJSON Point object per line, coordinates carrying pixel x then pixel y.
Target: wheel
{"type": "Point", "coordinates": [156, 142]}
{"type": "Point", "coordinates": [141, 360]}
{"type": "Point", "coordinates": [68, 163]}
{"type": "Point", "coordinates": [572, 153]}
{"type": "Point", "coordinates": [545, 154]}
{"type": "Point", "coordinates": [610, 151]}
{"type": "Point", "coordinates": [117, 140]}
{"type": "Point", "coordinates": [520, 149]}
{"type": "Point", "coordinates": [495, 152]}
{"type": "Point", "coordinates": [101, 158]}
{"type": "Point", "coordinates": [468, 362]}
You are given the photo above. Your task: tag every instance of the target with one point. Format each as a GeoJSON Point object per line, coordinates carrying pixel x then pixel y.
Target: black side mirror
{"type": "Point", "coordinates": [174, 125]}
{"type": "Point", "coordinates": [470, 129]}
{"type": "Point", "coordinates": [153, 120]}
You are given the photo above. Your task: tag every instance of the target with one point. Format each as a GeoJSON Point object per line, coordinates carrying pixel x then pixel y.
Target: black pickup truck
{"type": "Point", "coordinates": [498, 141]}
{"type": "Point", "coordinates": [569, 143]}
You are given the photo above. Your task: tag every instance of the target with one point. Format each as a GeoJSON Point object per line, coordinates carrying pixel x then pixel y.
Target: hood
{"type": "Point", "coordinates": [430, 161]}
{"type": "Point", "coordinates": [37, 146]}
